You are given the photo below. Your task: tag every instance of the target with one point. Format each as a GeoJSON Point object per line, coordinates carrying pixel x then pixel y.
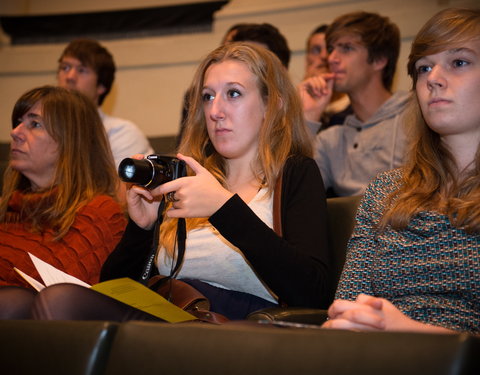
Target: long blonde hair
{"type": "Point", "coordinates": [282, 134]}
{"type": "Point", "coordinates": [431, 179]}
{"type": "Point", "coordinates": [85, 166]}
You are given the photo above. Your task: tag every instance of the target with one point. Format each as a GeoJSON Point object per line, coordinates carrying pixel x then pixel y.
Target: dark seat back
{"type": "Point", "coordinates": [55, 347]}
{"type": "Point", "coordinates": [4, 150]}
{"type": "Point", "coordinates": [238, 349]}
{"type": "Point", "coordinates": [164, 145]}
{"type": "Point", "coordinates": [3, 166]}
{"type": "Point", "coordinates": [4, 155]}
{"type": "Point", "coordinates": [341, 221]}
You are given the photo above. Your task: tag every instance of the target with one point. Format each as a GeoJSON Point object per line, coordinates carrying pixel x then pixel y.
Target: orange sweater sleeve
{"type": "Point", "coordinates": [97, 229]}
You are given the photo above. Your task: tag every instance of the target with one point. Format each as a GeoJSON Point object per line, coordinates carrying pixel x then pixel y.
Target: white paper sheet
{"type": "Point", "coordinates": [36, 285]}
{"type": "Point", "coordinates": [51, 275]}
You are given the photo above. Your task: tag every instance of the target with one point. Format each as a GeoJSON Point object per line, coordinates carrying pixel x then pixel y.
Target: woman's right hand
{"type": "Point", "coordinates": [142, 204]}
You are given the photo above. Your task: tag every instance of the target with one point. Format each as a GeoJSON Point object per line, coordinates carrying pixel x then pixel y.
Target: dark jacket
{"type": "Point", "coordinates": [295, 267]}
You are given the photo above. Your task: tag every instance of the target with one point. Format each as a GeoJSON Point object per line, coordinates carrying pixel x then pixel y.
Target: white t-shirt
{"type": "Point", "coordinates": [125, 138]}
{"type": "Point", "coordinates": [210, 258]}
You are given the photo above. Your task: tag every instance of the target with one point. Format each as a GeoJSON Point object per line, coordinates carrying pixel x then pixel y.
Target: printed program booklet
{"type": "Point", "coordinates": [124, 290]}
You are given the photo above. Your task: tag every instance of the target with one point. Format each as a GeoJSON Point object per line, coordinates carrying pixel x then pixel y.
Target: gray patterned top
{"type": "Point", "coordinates": [430, 270]}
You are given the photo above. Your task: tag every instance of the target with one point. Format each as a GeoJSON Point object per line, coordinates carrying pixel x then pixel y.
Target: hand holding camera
{"type": "Point", "coordinates": [200, 195]}
{"type": "Point", "coordinates": [142, 175]}
{"type": "Point", "coordinates": [152, 171]}
{"type": "Point", "coordinates": [194, 196]}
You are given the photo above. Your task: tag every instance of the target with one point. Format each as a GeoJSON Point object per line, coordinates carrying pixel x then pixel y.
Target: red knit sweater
{"type": "Point", "coordinates": [97, 228]}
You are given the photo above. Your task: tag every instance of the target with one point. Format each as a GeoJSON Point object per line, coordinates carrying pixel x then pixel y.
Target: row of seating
{"type": "Point", "coordinates": [97, 348]}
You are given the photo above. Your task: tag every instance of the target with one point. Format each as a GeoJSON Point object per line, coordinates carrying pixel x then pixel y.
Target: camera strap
{"type": "Point", "coordinates": [180, 238]}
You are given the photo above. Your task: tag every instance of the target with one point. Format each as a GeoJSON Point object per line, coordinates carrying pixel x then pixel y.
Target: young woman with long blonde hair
{"type": "Point", "coordinates": [244, 130]}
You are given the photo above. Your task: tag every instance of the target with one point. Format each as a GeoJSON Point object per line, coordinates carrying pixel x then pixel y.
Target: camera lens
{"type": "Point", "coordinates": [136, 171]}
{"type": "Point", "coordinates": [143, 172]}
{"type": "Point", "coordinates": [152, 171]}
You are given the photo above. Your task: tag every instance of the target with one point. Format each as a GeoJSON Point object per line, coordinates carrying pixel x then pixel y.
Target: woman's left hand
{"type": "Point", "coordinates": [369, 313]}
{"type": "Point", "coordinates": [195, 196]}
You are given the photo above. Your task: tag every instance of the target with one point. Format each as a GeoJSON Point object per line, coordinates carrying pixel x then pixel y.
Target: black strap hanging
{"type": "Point", "coordinates": [181, 238]}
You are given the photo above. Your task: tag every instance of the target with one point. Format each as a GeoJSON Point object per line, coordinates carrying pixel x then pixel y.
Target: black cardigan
{"type": "Point", "coordinates": [295, 267]}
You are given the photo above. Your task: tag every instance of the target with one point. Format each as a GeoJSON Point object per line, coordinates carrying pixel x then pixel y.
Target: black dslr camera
{"type": "Point", "coordinates": [152, 171]}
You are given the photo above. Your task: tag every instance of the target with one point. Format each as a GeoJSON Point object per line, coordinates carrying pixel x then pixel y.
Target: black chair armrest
{"type": "Point", "coordinates": [290, 314]}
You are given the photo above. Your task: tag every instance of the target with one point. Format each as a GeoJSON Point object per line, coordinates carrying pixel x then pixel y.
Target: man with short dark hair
{"type": "Point", "coordinates": [88, 67]}
{"type": "Point", "coordinates": [363, 52]}
{"type": "Point", "coordinates": [268, 36]}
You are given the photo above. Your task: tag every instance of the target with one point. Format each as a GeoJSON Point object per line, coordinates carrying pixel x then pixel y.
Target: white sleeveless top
{"type": "Point", "coordinates": [210, 258]}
